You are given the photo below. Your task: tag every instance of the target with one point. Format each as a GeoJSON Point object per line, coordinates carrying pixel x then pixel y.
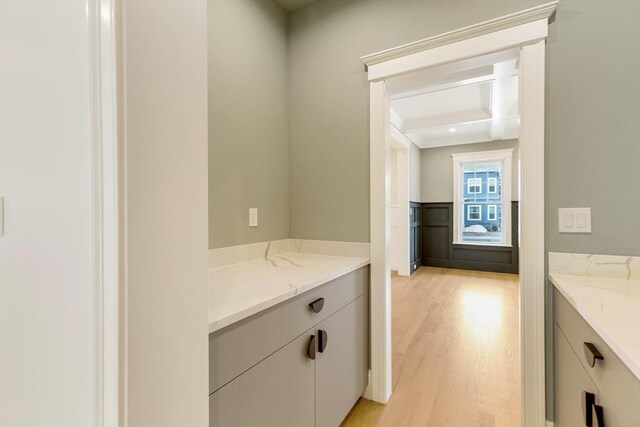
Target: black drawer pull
{"type": "Point", "coordinates": [322, 340]}
{"type": "Point", "coordinates": [588, 400]}
{"type": "Point", "coordinates": [317, 305]}
{"type": "Point", "coordinates": [599, 415]}
{"type": "Point", "coordinates": [311, 349]}
{"type": "Point", "coordinates": [592, 354]}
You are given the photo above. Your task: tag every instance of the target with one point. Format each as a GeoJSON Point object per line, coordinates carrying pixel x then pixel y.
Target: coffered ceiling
{"type": "Point", "coordinates": [474, 101]}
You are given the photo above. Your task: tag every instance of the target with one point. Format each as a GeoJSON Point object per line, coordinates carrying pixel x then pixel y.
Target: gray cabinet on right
{"type": "Point", "coordinates": [342, 362]}
{"type": "Point", "coordinates": [592, 386]}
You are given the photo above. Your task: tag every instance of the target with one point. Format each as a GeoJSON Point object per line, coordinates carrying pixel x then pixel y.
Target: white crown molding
{"type": "Point", "coordinates": [543, 11]}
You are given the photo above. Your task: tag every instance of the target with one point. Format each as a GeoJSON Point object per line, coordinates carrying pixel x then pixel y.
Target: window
{"type": "Point", "coordinates": [474, 213]}
{"type": "Point", "coordinates": [492, 185]}
{"type": "Point", "coordinates": [474, 185]}
{"type": "Point", "coordinates": [482, 217]}
{"type": "Point", "coordinates": [492, 212]}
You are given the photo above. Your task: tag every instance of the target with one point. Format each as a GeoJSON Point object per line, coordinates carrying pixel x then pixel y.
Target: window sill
{"type": "Point", "coordinates": [491, 245]}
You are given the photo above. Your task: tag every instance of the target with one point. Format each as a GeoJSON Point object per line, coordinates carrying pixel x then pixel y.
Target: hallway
{"type": "Point", "coordinates": [455, 352]}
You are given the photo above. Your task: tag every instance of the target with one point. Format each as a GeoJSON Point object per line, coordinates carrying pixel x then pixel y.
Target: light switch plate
{"type": "Point", "coordinates": [253, 217]}
{"type": "Point", "coordinates": [574, 220]}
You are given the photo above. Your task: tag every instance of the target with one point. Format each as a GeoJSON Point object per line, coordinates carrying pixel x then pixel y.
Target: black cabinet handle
{"type": "Point", "coordinates": [588, 400]}
{"type": "Point", "coordinates": [592, 354]}
{"type": "Point", "coordinates": [317, 305]}
{"type": "Point", "coordinates": [599, 415]}
{"type": "Point", "coordinates": [322, 340]}
{"type": "Point", "coordinates": [311, 349]}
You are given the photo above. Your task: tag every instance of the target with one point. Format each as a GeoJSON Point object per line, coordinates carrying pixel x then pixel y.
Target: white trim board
{"type": "Point", "coordinates": [106, 211]}
{"type": "Point", "coordinates": [526, 32]}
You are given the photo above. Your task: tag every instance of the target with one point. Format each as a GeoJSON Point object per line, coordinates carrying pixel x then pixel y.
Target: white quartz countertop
{"type": "Point", "coordinates": [612, 309]}
{"type": "Point", "coordinates": [240, 290]}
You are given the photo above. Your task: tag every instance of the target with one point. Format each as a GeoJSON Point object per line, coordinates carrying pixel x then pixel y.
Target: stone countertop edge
{"type": "Point", "coordinates": [250, 310]}
{"type": "Point", "coordinates": [628, 352]}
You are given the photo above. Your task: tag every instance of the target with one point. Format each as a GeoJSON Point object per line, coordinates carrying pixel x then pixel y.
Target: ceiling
{"type": "Point", "coordinates": [291, 5]}
{"type": "Point", "coordinates": [460, 103]}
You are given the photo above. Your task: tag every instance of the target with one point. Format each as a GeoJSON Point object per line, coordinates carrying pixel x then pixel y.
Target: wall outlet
{"type": "Point", "coordinates": [574, 220]}
{"type": "Point", "coordinates": [253, 217]}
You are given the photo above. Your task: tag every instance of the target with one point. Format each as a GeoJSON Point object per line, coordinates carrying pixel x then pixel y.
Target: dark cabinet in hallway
{"type": "Point", "coordinates": [415, 233]}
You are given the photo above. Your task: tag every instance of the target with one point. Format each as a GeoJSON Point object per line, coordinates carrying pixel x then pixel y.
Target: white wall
{"type": "Point", "coordinates": [415, 174]}
{"type": "Point", "coordinates": [46, 307]}
{"type": "Point", "coordinates": [166, 212]}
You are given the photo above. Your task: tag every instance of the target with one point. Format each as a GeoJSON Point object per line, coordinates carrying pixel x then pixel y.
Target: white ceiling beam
{"type": "Point", "coordinates": [470, 139]}
{"type": "Point", "coordinates": [398, 139]}
{"type": "Point", "coordinates": [457, 119]}
{"type": "Point", "coordinates": [396, 120]}
{"type": "Point", "coordinates": [480, 75]}
{"type": "Point", "coordinates": [503, 72]}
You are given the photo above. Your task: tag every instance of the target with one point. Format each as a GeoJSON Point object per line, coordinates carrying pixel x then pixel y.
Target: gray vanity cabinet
{"type": "Point", "coordinates": [342, 365]}
{"type": "Point", "coordinates": [583, 362]}
{"type": "Point", "coordinates": [304, 362]}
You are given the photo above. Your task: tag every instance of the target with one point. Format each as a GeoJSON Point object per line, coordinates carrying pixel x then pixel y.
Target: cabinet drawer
{"type": "Point", "coordinates": [570, 380]}
{"type": "Point", "coordinates": [617, 384]}
{"type": "Point", "coordinates": [238, 347]}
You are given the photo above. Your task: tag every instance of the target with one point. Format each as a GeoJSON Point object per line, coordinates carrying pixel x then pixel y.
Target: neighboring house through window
{"type": "Point", "coordinates": [493, 185]}
{"type": "Point", "coordinates": [474, 185]}
{"type": "Point", "coordinates": [474, 213]}
{"type": "Point", "coordinates": [492, 212]}
{"type": "Point", "coordinates": [482, 197]}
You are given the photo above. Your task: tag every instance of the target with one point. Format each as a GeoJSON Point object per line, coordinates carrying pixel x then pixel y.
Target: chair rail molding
{"type": "Point", "coordinates": [524, 32]}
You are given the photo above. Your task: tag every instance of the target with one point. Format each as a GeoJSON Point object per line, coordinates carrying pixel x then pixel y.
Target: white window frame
{"type": "Point", "coordinates": [475, 180]}
{"type": "Point", "coordinates": [493, 217]}
{"type": "Point", "coordinates": [505, 158]}
{"type": "Point", "coordinates": [495, 185]}
{"type": "Point", "coordinates": [479, 213]}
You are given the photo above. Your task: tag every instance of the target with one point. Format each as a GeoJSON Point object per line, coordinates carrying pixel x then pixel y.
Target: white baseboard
{"type": "Point", "coordinates": [549, 423]}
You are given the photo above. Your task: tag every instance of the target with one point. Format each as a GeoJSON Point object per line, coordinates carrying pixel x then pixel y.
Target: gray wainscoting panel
{"type": "Point", "coordinates": [438, 249]}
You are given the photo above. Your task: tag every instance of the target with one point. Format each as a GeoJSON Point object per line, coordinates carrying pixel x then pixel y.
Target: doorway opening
{"type": "Point", "coordinates": [523, 32]}
{"type": "Point", "coordinates": [455, 329]}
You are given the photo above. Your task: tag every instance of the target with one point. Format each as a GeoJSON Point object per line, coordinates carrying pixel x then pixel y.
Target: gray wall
{"type": "Point", "coordinates": [329, 95]}
{"type": "Point", "coordinates": [437, 168]}
{"type": "Point", "coordinates": [593, 129]}
{"type": "Point", "coordinates": [592, 108]}
{"type": "Point", "coordinates": [415, 175]}
{"type": "Point", "coordinates": [593, 79]}
{"type": "Point", "coordinates": [248, 122]}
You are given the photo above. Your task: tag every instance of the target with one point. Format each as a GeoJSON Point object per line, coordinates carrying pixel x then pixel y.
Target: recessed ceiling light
{"type": "Point", "coordinates": [452, 129]}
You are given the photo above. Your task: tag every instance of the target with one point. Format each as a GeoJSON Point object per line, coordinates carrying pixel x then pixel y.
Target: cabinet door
{"type": "Point", "coordinates": [415, 235]}
{"type": "Point", "coordinates": [570, 380]}
{"type": "Point", "coordinates": [278, 392]}
{"type": "Point", "coordinates": [342, 368]}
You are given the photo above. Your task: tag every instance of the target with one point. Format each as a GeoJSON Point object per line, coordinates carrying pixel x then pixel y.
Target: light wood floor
{"type": "Point", "coordinates": [456, 359]}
